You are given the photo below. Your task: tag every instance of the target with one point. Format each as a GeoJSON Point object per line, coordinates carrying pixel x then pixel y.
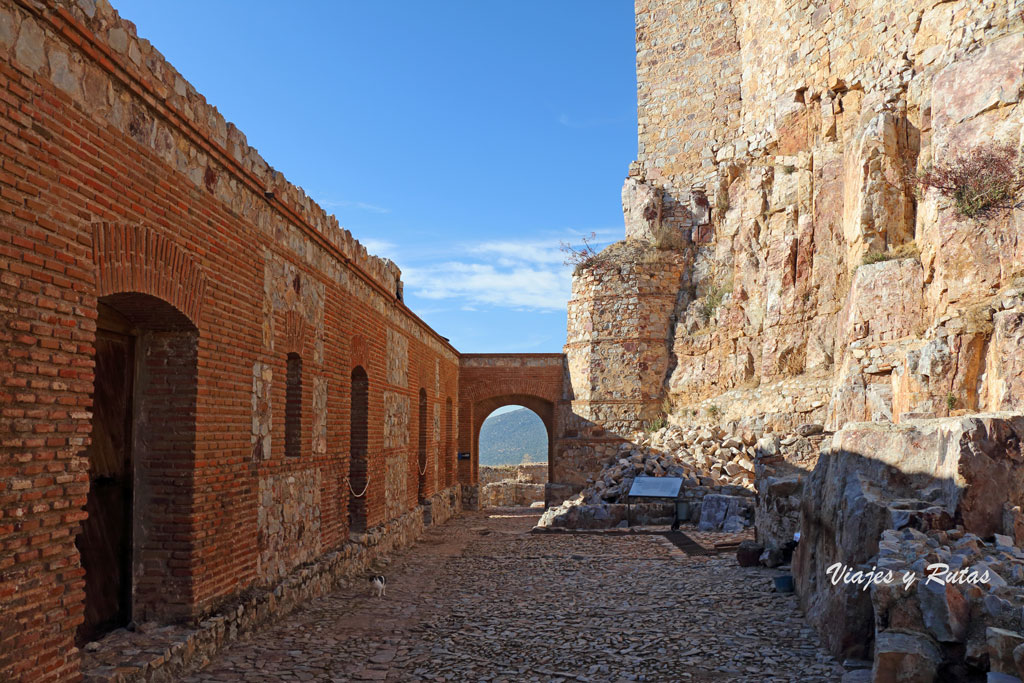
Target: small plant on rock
{"type": "Point", "coordinates": [981, 181]}
{"type": "Point", "coordinates": [950, 401]}
{"type": "Point", "coordinates": [714, 412]}
{"type": "Point", "coordinates": [722, 201]}
{"type": "Point", "coordinates": [908, 250]}
{"type": "Point", "coordinates": [583, 256]}
{"type": "Point", "coordinates": [713, 299]}
{"type": "Point", "coordinates": [875, 257]}
{"type": "Point", "coordinates": [654, 425]}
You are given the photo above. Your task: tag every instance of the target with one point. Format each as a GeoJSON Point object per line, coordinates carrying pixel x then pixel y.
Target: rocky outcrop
{"type": "Point", "coordinates": [811, 279]}
{"type": "Point", "coordinates": [641, 207]}
{"type": "Point", "coordinates": [782, 465]}
{"type": "Point", "coordinates": [924, 475]}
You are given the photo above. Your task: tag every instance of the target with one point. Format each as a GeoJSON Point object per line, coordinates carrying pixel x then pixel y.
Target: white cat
{"type": "Point", "coordinates": [379, 584]}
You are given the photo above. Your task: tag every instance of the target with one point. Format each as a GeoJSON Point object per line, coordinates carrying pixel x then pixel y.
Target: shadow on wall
{"type": "Point", "coordinates": [902, 498]}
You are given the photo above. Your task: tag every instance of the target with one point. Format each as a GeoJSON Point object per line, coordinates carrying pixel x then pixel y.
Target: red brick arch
{"type": "Point", "coordinates": [134, 258]}
{"type": "Point", "coordinates": [489, 381]}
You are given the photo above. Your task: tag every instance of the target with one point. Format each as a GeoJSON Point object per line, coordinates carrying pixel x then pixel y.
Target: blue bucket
{"type": "Point", "coordinates": [784, 584]}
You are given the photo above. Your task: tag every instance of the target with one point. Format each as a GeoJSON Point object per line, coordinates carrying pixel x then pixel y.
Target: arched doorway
{"type": "Point", "coordinates": [513, 435]}
{"type": "Point", "coordinates": [358, 473]}
{"type": "Point", "coordinates": [513, 446]}
{"type": "Point", "coordinates": [422, 446]}
{"type": "Point", "coordinates": [142, 440]}
{"type": "Point", "coordinates": [482, 409]}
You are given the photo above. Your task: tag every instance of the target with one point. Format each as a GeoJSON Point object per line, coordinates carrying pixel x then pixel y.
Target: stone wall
{"type": "Point", "coordinates": [513, 485]}
{"type": "Point", "coordinates": [528, 473]}
{"type": "Point", "coordinates": [777, 153]}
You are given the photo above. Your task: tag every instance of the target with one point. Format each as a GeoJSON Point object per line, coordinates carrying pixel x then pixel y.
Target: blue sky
{"type": "Point", "coordinates": [463, 140]}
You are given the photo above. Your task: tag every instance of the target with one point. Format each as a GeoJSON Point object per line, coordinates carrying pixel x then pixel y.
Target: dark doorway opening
{"type": "Point", "coordinates": [422, 460]}
{"type": "Point", "coordinates": [135, 544]}
{"type": "Point", "coordinates": [105, 542]}
{"type": "Point", "coordinates": [448, 450]}
{"type": "Point", "coordinates": [358, 475]}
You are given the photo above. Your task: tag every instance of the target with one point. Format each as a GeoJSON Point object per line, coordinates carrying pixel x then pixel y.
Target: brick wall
{"type": "Point", "coordinates": [118, 181]}
{"type": "Point", "coordinates": [489, 381]}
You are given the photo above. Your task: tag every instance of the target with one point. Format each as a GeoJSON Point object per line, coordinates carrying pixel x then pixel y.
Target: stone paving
{"type": "Point", "coordinates": [481, 599]}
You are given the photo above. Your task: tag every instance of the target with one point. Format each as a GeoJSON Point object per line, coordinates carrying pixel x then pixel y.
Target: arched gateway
{"type": "Point", "coordinates": [490, 381]}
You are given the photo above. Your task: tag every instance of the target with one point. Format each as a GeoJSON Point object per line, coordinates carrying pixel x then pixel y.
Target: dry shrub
{"type": "Point", "coordinates": [720, 286]}
{"type": "Point", "coordinates": [792, 361]}
{"type": "Point", "coordinates": [580, 257]}
{"type": "Point", "coordinates": [981, 181]}
{"type": "Point", "coordinates": [875, 257]}
{"type": "Point", "coordinates": [902, 251]}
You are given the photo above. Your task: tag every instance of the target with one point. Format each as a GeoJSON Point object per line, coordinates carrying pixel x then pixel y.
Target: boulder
{"type": "Point", "coordinates": [1018, 660]}
{"type": "Point", "coordinates": [810, 429]}
{"type": "Point", "coordinates": [1001, 646]}
{"type": "Point", "coordinates": [905, 658]}
{"type": "Point", "coordinates": [944, 611]}
{"type": "Point", "coordinates": [968, 467]}
{"type": "Point", "coordinates": [749, 554]}
{"type": "Point", "coordinates": [724, 513]}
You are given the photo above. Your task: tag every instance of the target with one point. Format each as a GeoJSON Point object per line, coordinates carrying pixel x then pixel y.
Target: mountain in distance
{"type": "Point", "coordinates": [512, 438]}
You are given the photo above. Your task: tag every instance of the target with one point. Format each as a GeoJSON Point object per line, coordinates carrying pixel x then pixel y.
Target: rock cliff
{"type": "Point", "coordinates": [783, 264]}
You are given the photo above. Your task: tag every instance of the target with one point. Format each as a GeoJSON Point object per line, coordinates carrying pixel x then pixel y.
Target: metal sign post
{"type": "Point", "coordinates": [654, 487]}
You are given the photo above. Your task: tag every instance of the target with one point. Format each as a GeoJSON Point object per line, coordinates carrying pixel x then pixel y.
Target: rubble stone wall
{"type": "Point", "coordinates": [513, 485]}
{"type": "Point", "coordinates": [528, 473]}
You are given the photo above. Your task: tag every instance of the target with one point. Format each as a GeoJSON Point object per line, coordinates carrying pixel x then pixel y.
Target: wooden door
{"type": "Point", "coordinates": [105, 542]}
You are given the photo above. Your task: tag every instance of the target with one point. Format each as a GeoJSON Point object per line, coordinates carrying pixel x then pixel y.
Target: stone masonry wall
{"type": "Point", "coordinates": [792, 132]}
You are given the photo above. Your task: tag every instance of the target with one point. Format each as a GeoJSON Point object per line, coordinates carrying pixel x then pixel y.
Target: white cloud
{"type": "Point", "coordinates": [484, 284]}
{"type": "Point", "coordinates": [347, 204]}
{"type": "Point", "coordinates": [527, 274]}
{"type": "Point", "coordinates": [510, 252]}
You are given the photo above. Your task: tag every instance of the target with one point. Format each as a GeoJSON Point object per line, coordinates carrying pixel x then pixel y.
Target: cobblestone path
{"type": "Point", "coordinates": [480, 599]}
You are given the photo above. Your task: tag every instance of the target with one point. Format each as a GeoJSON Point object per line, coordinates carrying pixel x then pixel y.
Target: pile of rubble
{"type": "Point", "coordinates": [959, 615]}
{"type": "Point", "coordinates": [717, 469]}
{"type": "Point", "coordinates": [707, 458]}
